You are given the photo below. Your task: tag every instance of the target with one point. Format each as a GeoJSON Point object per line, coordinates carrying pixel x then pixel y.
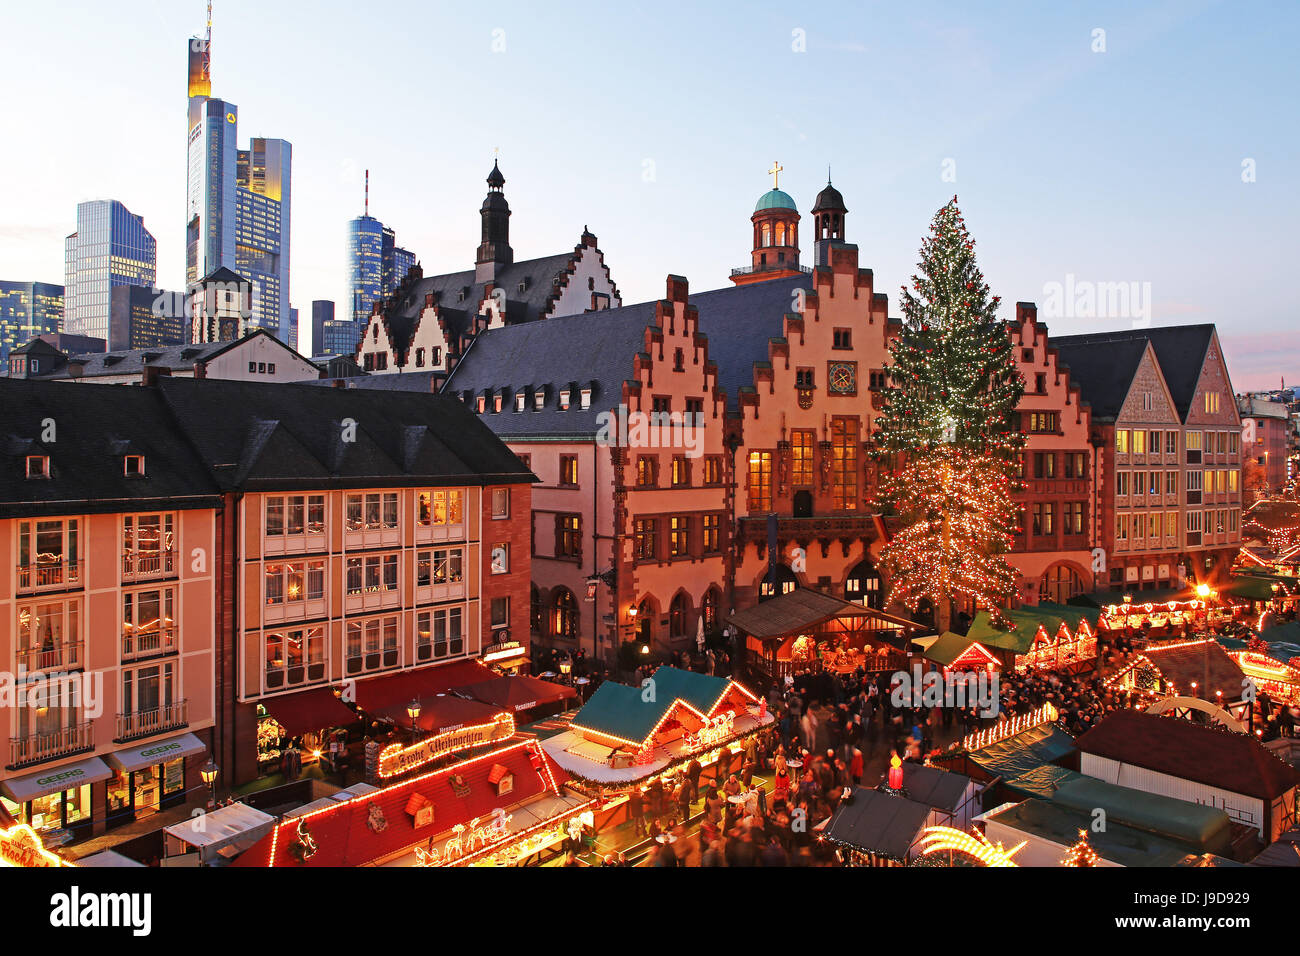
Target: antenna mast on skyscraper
{"type": "Point", "coordinates": [207, 46]}
{"type": "Point", "coordinates": [367, 192]}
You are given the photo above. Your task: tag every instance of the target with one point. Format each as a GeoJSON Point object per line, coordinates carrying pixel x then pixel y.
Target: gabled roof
{"type": "Point", "coordinates": [878, 822]}
{"type": "Point", "coordinates": [738, 322]}
{"type": "Point", "coordinates": [292, 436]}
{"type": "Point", "coordinates": [174, 358]}
{"type": "Point", "coordinates": [1204, 663]}
{"type": "Point", "coordinates": [92, 433]}
{"type": "Point", "coordinates": [800, 610]}
{"type": "Point", "coordinates": [1230, 761]}
{"type": "Point", "coordinates": [632, 713]}
{"type": "Point", "coordinates": [1180, 350]}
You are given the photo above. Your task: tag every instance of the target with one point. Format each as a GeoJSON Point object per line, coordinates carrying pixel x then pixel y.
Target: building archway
{"type": "Point", "coordinates": [644, 627]}
{"type": "Point", "coordinates": [803, 503]}
{"type": "Point", "coordinates": [865, 586]}
{"type": "Point", "coordinates": [1060, 582]}
{"type": "Point", "coordinates": [709, 605]}
{"type": "Point", "coordinates": [679, 612]}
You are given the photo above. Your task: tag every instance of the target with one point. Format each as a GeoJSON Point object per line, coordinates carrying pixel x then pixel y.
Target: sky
{"type": "Point", "coordinates": [1148, 148]}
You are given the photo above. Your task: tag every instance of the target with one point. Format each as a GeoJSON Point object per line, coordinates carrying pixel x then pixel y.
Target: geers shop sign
{"type": "Point", "coordinates": [396, 759]}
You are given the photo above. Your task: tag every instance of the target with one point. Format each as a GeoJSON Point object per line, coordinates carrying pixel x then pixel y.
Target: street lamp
{"type": "Point", "coordinates": [566, 668]}
{"type": "Point", "coordinates": [209, 776]}
{"type": "Point", "coordinates": [413, 711]}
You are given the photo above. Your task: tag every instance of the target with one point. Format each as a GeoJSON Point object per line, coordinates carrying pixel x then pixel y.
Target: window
{"type": "Point", "coordinates": [1042, 422]}
{"type": "Point", "coordinates": [801, 457]}
{"type": "Point", "coordinates": [584, 398]}
{"type": "Point", "coordinates": [1193, 522]}
{"type": "Point", "coordinates": [844, 463]}
{"type": "Point", "coordinates": [569, 471]}
{"type": "Point", "coordinates": [293, 657]}
{"type": "Point", "coordinates": [646, 465]}
{"type": "Point", "coordinates": [147, 544]}
{"type": "Point", "coordinates": [1171, 482]}
{"type": "Point", "coordinates": [133, 466]}
{"type": "Point", "coordinates": [568, 539]}
{"type": "Point", "coordinates": [694, 411]}
{"type": "Point", "coordinates": [1193, 441]}
{"type": "Point", "coordinates": [1234, 518]}
{"type": "Point", "coordinates": [1234, 443]}
{"type": "Point", "coordinates": [1075, 464]}
{"type": "Point", "coordinates": [372, 573]}
{"type": "Point", "coordinates": [662, 404]}
{"type": "Point", "coordinates": [439, 566]}
{"type": "Point", "coordinates": [677, 609]}
{"type": "Point", "coordinates": [1139, 484]}
{"type": "Point", "coordinates": [843, 338]}
{"type": "Point", "coordinates": [681, 471]}
{"type": "Point", "coordinates": [539, 399]}
{"type": "Point", "coordinates": [519, 401]}
{"type": "Point", "coordinates": [1045, 464]}
{"type": "Point", "coordinates": [803, 378]}
{"type": "Point", "coordinates": [500, 558]}
{"type": "Point", "coordinates": [1234, 479]}
{"type": "Point", "coordinates": [147, 692]}
{"type": "Point", "coordinates": [1139, 442]}
{"type": "Point", "coordinates": [565, 618]}
{"type": "Point", "coordinates": [1040, 383]}
{"type": "Point", "coordinates": [419, 358]}
{"type": "Point", "coordinates": [432, 508]}
{"type": "Point", "coordinates": [1194, 481]}
{"type": "Point", "coordinates": [295, 514]}
{"type": "Point", "coordinates": [645, 538]}
{"type": "Point", "coordinates": [1211, 403]}
{"type": "Point", "coordinates": [1171, 524]}
{"type": "Point", "coordinates": [564, 399]}
{"type": "Point", "coordinates": [1121, 441]}
{"type": "Point", "coordinates": [500, 611]}
{"type": "Point", "coordinates": [1073, 517]}
{"type": "Point", "coordinates": [1153, 523]}
{"type": "Point", "coordinates": [1146, 401]}
{"type": "Point", "coordinates": [48, 554]}
{"type": "Point", "coordinates": [1121, 528]}
{"type": "Point", "coordinates": [1153, 483]}
{"type": "Point", "coordinates": [1122, 484]}
{"type": "Point", "coordinates": [38, 466]}
{"type": "Point", "coordinates": [679, 536]}
{"type": "Point", "coordinates": [374, 511]}
{"type": "Point", "coordinates": [710, 533]}
{"type": "Point", "coordinates": [712, 470]}
{"type": "Point", "coordinates": [295, 581]}
{"type": "Point", "coordinates": [500, 503]}
{"type": "Point", "coordinates": [48, 636]}
{"type": "Point", "coordinates": [760, 481]}
{"type": "Point", "coordinates": [1043, 514]}
{"type": "Point", "coordinates": [372, 644]}
{"type": "Point", "coordinates": [1171, 443]}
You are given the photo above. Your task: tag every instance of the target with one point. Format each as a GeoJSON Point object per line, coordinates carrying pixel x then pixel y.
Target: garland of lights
{"type": "Point", "coordinates": [949, 427]}
{"type": "Point", "coordinates": [1082, 853]}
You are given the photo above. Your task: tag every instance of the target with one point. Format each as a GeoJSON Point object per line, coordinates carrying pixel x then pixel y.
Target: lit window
{"type": "Point", "coordinates": [133, 466]}
{"type": "Point", "coordinates": [38, 466]}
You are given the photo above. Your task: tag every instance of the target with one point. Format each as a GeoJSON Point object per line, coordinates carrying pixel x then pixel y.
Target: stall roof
{"type": "Point", "coordinates": [1026, 751]}
{"type": "Point", "coordinates": [223, 827]}
{"type": "Point", "coordinates": [1230, 761]}
{"type": "Point", "coordinates": [1204, 829]}
{"type": "Point", "coordinates": [1285, 851]}
{"type": "Point", "coordinates": [878, 822]}
{"type": "Point", "coordinates": [108, 858]}
{"type": "Point", "coordinates": [1204, 663]}
{"type": "Point", "coordinates": [629, 713]}
{"type": "Point", "coordinates": [1026, 621]}
{"type": "Point", "coordinates": [801, 610]}
{"type": "Point", "coordinates": [948, 647]}
{"type": "Point", "coordinates": [514, 694]}
{"type": "Point", "coordinates": [309, 711]}
{"type": "Point", "coordinates": [940, 789]}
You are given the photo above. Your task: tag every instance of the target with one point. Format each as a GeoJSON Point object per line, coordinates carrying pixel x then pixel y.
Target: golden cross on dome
{"type": "Point", "coordinates": [775, 172]}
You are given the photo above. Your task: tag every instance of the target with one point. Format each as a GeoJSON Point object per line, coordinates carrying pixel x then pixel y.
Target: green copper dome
{"type": "Point", "coordinates": [775, 199]}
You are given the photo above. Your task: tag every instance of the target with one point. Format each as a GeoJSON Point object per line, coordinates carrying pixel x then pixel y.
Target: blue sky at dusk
{"type": "Point", "coordinates": [654, 125]}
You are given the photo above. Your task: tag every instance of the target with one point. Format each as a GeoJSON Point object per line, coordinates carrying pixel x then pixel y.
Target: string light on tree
{"type": "Point", "coordinates": [1082, 853]}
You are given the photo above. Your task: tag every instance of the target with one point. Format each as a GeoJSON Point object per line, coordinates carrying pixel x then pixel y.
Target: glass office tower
{"type": "Point", "coordinates": [27, 309]}
{"type": "Point", "coordinates": [111, 247]}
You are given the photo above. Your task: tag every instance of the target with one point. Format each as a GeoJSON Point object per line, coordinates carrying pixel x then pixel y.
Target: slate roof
{"type": "Point", "coordinates": [1234, 762]}
{"type": "Point", "coordinates": [175, 358]}
{"type": "Point", "coordinates": [800, 610]}
{"type": "Point", "coordinates": [941, 789]}
{"type": "Point", "coordinates": [878, 822]}
{"type": "Point", "coordinates": [256, 435]}
{"type": "Point", "coordinates": [543, 277]}
{"type": "Point", "coordinates": [600, 347]}
{"type": "Point", "coordinates": [1098, 362]}
{"type": "Point", "coordinates": [94, 431]}
{"type": "Point", "coordinates": [1205, 662]}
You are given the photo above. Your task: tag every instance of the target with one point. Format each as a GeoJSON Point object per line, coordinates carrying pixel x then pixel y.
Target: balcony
{"type": "Point", "coordinates": [145, 643]}
{"type": "Point", "coordinates": [141, 565]}
{"type": "Point", "coordinates": [279, 675]}
{"type": "Point", "coordinates": [824, 529]}
{"type": "Point", "coordinates": [372, 661]}
{"type": "Point", "coordinates": [771, 267]}
{"type": "Point", "coordinates": [145, 723]}
{"type": "Point", "coordinates": [48, 575]}
{"type": "Point", "coordinates": [65, 655]}
{"type": "Point", "coordinates": [38, 748]}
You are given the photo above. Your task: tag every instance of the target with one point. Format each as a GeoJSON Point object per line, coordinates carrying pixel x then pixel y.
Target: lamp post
{"type": "Point", "coordinates": [566, 668]}
{"type": "Point", "coordinates": [413, 711]}
{"type": "Point", "coordinates": [209, 776]}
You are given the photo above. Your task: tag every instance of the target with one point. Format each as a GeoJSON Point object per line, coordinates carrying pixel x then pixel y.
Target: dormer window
{"type": "Point", "coordinates": [482, 404]}
{"type": "Point", "coordinates": [38, 466]}
{"type": "Point", "coordinates": [564, 399]}
{"type": "Point", "coordinates": [519, 402]}
{"type": "Point", "coordinates": [539, 399]}
{"type": "Point", "coordinates": [523, 285]}
{"type": "Point", "coordinates": [133, 466]}
{"type": "Point", "coordinates": [585, 401]}
{"type": "Point", "coordinates": [496, 403]}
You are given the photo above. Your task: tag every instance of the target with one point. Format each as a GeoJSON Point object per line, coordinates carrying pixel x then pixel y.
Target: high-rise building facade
{"type": "Point", "coordinates": [291, 339]}
{"type": "Point", "coordinates": [111, 247]}
{"type": "Point", "coordinates": [141, 318]}
{"type": "Point", "coordinates": [376, 265]}
{"type": "Point", "coordinates": [237, 200]}
{"type": "Point", "coordinates": [27, 309]}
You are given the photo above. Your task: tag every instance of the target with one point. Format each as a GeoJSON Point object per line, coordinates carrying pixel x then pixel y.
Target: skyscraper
{"type": "Point", "coordinates": [237, 200]}
{"type": "Point", "coordinates": [111, 247]}
{"type": "Point", "coordinates": [27, 309]}
{"type": "Point", "coordinates": [376, 264]}
{"type": "Point", "coordinates": [145, 318]}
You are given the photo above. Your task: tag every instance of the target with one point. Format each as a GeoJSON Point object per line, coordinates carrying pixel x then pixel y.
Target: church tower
{"type": "Point", "coordinates": [495, 249]}
{"type": "Point", "coordinates": [828, 219]}
{"type": "Point", "coordinates": [776, 236]}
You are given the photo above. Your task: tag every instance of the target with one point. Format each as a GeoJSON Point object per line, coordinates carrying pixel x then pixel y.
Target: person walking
{"type": "Point", "coordinates": [636, 810]}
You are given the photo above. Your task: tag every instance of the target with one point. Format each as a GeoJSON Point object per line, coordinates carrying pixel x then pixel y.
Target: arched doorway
{"type": "Point", "coordinates": [785, 583]}
{"type": "Point", "coordinates": [709, 608]}
{"type": "Point", "coordinates": [645, 622]}
{"type": "Point", "coordinates": [864, 586]}
{"type": "Point", "coordinates": [564, 619]}
{"type": "Point", "coordinates": [803, 503]}
{"type": "Point", "coordinates": [1059, 583]}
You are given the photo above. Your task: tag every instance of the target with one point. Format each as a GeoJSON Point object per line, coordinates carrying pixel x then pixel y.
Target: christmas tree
{"type": "Point", "coordinates": [1081, 854]}
{"type": "Point", "coordinates": [949, 431]}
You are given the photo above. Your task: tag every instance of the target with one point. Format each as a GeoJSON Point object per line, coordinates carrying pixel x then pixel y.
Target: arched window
{"type": "Point", "coordinates": [780, 234]}
{"type": "Point", "coordinates": [565, 617]}
{"type": "Point", "coordinates": [863, 586]}
{"type": "Point", "coordinates": [1059, 584]}
{"type": "Point", "coordinates": [709, 608]}
{"type": "Point", "coordinates": [785, 583]}
{"type": "Point", "coordinates": [767, 233]}
{"type": "Point", "coordinates": [537, 611]}
{"type": "Point", "coordinates": [645, 623]}
{"type": "Point", "coordinates": [677, 615]}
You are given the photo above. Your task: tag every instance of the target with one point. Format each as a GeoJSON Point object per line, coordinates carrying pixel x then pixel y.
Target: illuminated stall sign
{"type": "Point", "coordinates": [396, 759]}
{"type": "Point", "coordinates": [20, 845]}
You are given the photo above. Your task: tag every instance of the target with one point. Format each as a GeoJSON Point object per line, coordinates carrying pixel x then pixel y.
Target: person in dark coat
{"type": "Point", "coordinates": [636, 810]}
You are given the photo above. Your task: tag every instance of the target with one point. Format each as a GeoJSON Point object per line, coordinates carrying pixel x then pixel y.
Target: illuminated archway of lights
{"type": "Point", "coordinates": [975, 845]}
